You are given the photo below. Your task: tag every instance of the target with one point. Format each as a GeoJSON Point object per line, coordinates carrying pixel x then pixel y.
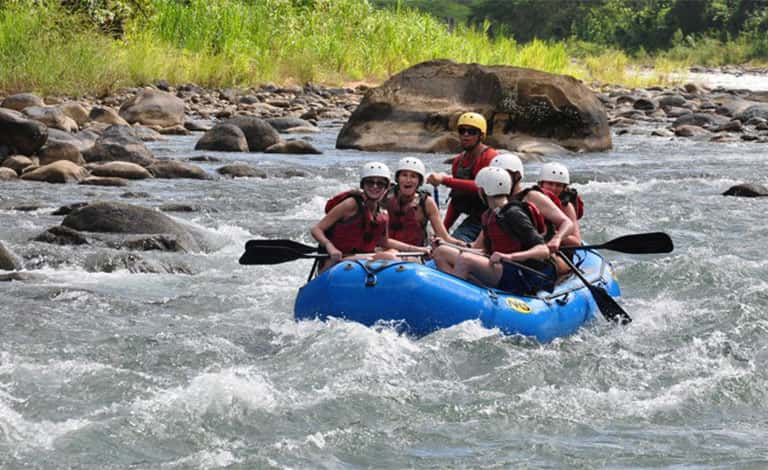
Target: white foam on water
{"type": "Point", "coordinates": [26, 434]}
{"type": "Point", "coordinates": [205, 459]}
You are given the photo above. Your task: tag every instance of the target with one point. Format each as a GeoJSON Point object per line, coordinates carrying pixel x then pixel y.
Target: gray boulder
{"type": "Point", "coordinates": [9, 261]}
{"type": "Point", "coordinates": [19, 134]}
{"type": "Point", "coordinates": [293, 147]}
{"type": "Point", "coordinates": [62, 171]}
{"type": "Point", "coordinates": [224, 138]}
{"type": "Point", "coordinates": [241, 170]}
{"type": "Point", "coordinates": [153, 107]}
{"type": "Point", "coordinates": [177, 169]}
{"type": "Point", "coordinates": [19, 101]}
{"type": "Point", "coordinates": [120, 143]}
{"type": "Point", "coordinates": [258, 133]}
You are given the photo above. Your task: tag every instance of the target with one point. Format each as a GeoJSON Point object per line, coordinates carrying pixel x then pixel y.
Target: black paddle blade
{"type": "Point", "coordinates": [638, 244]}
{"type": "Point", "coordinates": [258, 254]}
{"type": "Point", "coordinates": [610, 309]}
{"type": "Point", "coordinates": [295, 246]}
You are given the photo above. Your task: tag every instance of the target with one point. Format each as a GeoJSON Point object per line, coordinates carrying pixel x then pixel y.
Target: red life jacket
{"type": "Point", "coordinates": [496, 238]}
{"type": "Point", "coordinates": [570, 196]}
{"type": "Point", "coordinates": [465, 202]}
{"type": "Point", "coordinates": [403, 221]}
{"type": "Point", "coordinates": [361, 232]}
{"type": "Point", "coordinates": [549, 227]}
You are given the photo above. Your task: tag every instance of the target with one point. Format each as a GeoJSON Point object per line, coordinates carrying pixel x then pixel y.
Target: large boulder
{"type": "Point", "coordinates": [19, 134]}
{"type": "Point", "coordinates": [153, 107]}
{"type": "Point", "coordinates": [9, 261]}
{"type": "Point", "coordinates": [126, 170]}
{"type": "Point", "coordinates": [52, 117]}
{"type": "Point", "coordinates": [747, 190]}
{"type": "Point", "coordinates": [223, 137]}
{"type": "Point", "coordinates": [415, 109]}
{"type": "Point", "coordinates": [293, 146]}
{"type": "Point", "coordinates": [19, 101]}
{"type": "Point", "coordinates": [114, 217]}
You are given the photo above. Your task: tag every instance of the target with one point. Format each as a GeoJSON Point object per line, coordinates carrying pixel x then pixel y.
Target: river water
{"type": "Point", "coordinates": [119, 370]}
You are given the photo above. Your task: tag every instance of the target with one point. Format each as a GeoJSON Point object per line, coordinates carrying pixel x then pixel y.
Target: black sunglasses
{"type": "Point", "coordinates": [379, 183]}
{"type": "Point", "coordinates": [468, 131]}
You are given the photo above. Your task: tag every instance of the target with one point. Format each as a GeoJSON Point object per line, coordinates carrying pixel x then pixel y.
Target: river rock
{"type": "Point", "coordinates": [120, 143]}
{"type": "Point", "coordinates": [690, 131]}
{"type": "Point", "coordinates": [747, 190]}
{"type": "Point", "coordinates": [115, 217]}
{"type": "Point", "coordinates": [54, 151]}
{"type": "Point", "coordinates": [60, 235]}
{"type": "Point", "coordinates": [153, 107]}
{"type": "Point", "coordinates": [19, 134]}
{"type": "Point", "coordinates": [125, 170]}
{"type": "Point", "coordinates": [52, 117]}
{"type": "Point", "coordinates": [18, 163]}
{"type": "Point", "coordinates": [177, 169]}
{"type": "Point", "coordinates": [19, 101]}
{"type": "Point", "coordinates": [62, 171]}
{"type": "Point", "coordinates": [293, 146]}
{"type": "Point", "coordinates": [7, 174]}
{"type": "Point", "coordinates": [414, 108]}
{"type": "Point", "coordinates": [224, 138]}
{"type": "Point", "coordinates": [106, 115]}
{"type": "Point", "coordinates": [76, 111]}
{"type": "Point", "coordinates": [281, 124]}
{"type": "Point", "coordinates": [754, 111]}
{"type": "Point", "coordinates": [701, 120]}
{"type": "Point", "coordinates": [82, 140]}
{"type": "Point", "coordinates": [9, 261]}
{"type": "Point", "coordinates": [241, 170]}
{"type": "Point", "coordinates": [21, 276]}
{"type": "Point", "coordinates": [676, 101]}
{"type": "Point", "coordinates": [258, 133]}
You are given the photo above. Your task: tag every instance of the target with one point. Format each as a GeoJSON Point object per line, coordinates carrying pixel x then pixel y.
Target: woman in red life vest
{"type": "Point", "coordinates": [357, 223]}
{"type": "Point", "coordinates": [464, 199]}
{"type": "Point", "coordinates": [508, 235]}
{"type": "Point", "coordinates": [558, 225]}
{"type": "Point", "coordinates": [554, 177]}
{"type": "Point", "coordinates": [410, 209]}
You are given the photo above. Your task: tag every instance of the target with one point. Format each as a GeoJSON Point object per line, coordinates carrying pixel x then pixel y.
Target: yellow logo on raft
{"type": "Point", "coordinates": [519, 305]}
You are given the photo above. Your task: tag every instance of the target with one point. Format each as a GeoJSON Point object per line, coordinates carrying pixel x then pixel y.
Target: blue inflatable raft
{"type": "Point", "coordinates": [419, 299]}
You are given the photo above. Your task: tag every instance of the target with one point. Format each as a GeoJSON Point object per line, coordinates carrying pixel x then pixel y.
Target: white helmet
{"type": "Point", "coordinates": [411, 164]}
{"type": "Point", "coordinates": [494, 181]}
{"type": "Point", "coordinates": [508, 161]}
{"type": "Point", "coordinates": [372, 169]}
{"type": "Point", "coordinates": [555, 173]}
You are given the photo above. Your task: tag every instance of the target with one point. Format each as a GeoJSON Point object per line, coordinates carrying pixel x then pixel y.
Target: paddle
{"type": "Point", "coordinates": [266, 254]}
{"type": "Point", "coordinates": [281, 243]}
{"type": "Point", "coordinates": [610, 309]}
{"type": "Point", "coordinates": [639, 244]}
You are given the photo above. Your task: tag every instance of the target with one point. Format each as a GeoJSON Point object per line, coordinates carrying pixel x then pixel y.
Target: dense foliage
{"type": "Point", "coordinates": [632, 25]}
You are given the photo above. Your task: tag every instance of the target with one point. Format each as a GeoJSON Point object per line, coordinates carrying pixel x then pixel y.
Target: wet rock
{"type": "Point", "coordinates": [9, 261]}
{"type": "Point", "coordinates": [293, 147]}
{"type": "Point", "coordinates": [747, 190]}
{"type": "Point", "coordinates": [19, 134]}
{"type": "Point", "coordinates": [690, 131]}
{"type": "Point", "coordinates": [302, 130]}
{"type": "Point", "coordinates": [292, 173]}
{"type": "Point", "coordinates": [700, 120]}
{"type": "Point", "coordinates": [644, 104]}
{"type": "Point", "coordinates": [730, 126]}
{"type": "Point", "coordinates": [281, 124]}
{"type": "Point", "coordinates": [177, 169]}
{"type": "Point", "coordinates": [241, 170]}
{"type": "Point", "coordinates": [204, 158]}
{"type": "Point", "coordinates": [120, 143]}
{"type": "Point", "coordinates": [196, 126]}
{"type": "Point", "coordinates": [125, 170]}
{"type": "Point", "coordinates": [62, 171]}
{"type": "Point", "coordinates": [153, 107]}
{"type": "Point", "coordinates": [662, 133]}
{"type": "Point", "coordinates": [114, 217]}
{"type": "Point", "coordinates": [224, 138]}
{"type": "Point", "coordinates": [175, 207]}
{"type": "Point", "coordinates": [131, 262]}
{"type": "Point", "coordinates": [60, 235]}
{"type": "Point", "coordinates": [754, 111]}
{"type": "Point", "coordinates": [82, 140]}
{"type": "Point", "coordinates": [75, 111]}
{"type": "Point", "coordinates": [258, 133]}
{"type": "Point", "coordinates": [64, 210]}
{"type": "Point", "coordinates": [147, 134]}
{"type": "Point", "coordinates": [672, 101]}
{"type": "Point", "coordinates": [135, 195]}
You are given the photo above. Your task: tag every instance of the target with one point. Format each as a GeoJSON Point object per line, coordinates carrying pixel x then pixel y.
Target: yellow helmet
{"type": "Point", "coordinates": [474, 120]}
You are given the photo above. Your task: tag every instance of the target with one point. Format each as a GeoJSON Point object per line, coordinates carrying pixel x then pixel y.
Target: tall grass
{"type": "Point", "coordinates": [236, 42]}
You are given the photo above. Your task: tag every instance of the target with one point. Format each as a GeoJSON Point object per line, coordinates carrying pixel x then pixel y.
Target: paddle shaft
{"type": "Point", "coordinates": [610, 309]}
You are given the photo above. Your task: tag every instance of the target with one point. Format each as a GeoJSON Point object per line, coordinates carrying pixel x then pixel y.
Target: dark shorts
{"type": "Point", "coordinates": [520, 281]}
{"type": "Point", "coordinates": [468, 230]}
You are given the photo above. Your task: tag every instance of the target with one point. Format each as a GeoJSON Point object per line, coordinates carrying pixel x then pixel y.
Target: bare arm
{"type": "Point", "coordinates": [550, 211]}
{"type": "Point", "coordinates": [433, 215]}
{"type": "Point", "coordinates": [570, 211]}
{"type": "Point", "coordinates": [344, 210]}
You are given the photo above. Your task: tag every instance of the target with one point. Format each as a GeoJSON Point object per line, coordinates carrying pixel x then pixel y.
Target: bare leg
{"type": "Point", "coordinates": [445, 258]}
{"type": "Point", "coordinates": [477, 269]}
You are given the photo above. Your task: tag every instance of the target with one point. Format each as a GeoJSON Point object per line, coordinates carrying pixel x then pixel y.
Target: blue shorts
{"type": "Point", "coordinates": [468, 230]}
{"type": "Point", "coordinates": [519, 281]}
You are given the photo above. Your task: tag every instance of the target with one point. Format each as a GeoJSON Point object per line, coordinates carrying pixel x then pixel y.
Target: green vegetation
{"type": "Point", "coordinates": [96, 46]}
